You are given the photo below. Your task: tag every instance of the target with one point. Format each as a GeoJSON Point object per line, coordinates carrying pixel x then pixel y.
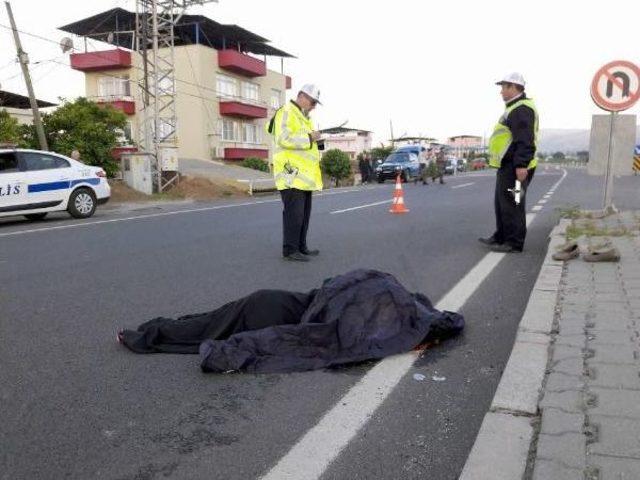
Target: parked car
{"type": "Point", "coordinates": [34, 183]}
{"type": "Point", "coordinates": [404, 163]}
{"type": "Point", "coordinates": [449, 167]}
{"type": "Point", "coordinates": [478, 164]}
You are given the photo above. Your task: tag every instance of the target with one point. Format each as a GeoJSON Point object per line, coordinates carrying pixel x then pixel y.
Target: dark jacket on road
{"type": "Point", "coordinates": [361, 315]}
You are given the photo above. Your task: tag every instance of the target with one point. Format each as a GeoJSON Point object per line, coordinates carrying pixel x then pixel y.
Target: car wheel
{"type": "Point", "coordinates": [380, 179]}
{"type": "Point", "coordinates": [82, 203]}
{"type": "Point", "coordinates": [36, 216]}
{"type": "Point", "coordinates": [404, 177]}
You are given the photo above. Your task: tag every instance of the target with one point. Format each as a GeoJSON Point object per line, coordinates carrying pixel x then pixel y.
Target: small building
{"type": "Point", "coordinates": [350, 140]}
{"type": "Point", "coordinates": [224, 92]}
{"type": "Point", "coordinates": [463, 145]}
{"type": "Point", "coordinates": [402, 141]}
{"type": "Point", "coordinates": [19, 107]}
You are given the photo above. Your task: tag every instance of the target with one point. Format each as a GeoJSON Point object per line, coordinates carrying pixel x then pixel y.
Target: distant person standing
{"type": "Point", "coordinates": [512, 150]}
{"type": "Point", "coordinates": [296, 168]}
{"type": "Point", "coordinates": [363, 166]}
{"type": "Point", "coordinates": [441, 162]}
{"type": "Point", "coordinates": [75, 154]}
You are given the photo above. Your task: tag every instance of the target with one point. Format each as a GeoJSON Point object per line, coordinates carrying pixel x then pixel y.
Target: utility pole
{"type": "Point", "coordinates": [24, 62]}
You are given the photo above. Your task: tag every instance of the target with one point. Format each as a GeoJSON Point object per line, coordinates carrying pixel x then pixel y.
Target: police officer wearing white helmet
{"type": "Point", "coordinates": [512, 150]}
{"type": "Point", "coordinates": [296, 168]}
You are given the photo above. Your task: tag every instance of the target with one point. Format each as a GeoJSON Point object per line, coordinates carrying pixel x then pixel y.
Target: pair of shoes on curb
{"type": "Point", "coordinates": [605, 254]}
{"type": "Point", "coordinates": [566, 252]}
{"type": "Point", "coordinates": [601, 253]}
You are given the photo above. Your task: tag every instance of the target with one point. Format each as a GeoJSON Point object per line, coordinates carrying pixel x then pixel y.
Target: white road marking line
{"type": "Point", "coordinates": [537, 208]}
{"type": "Point", "coordinates": [312, 454]}
{"type": "Point", "coordinates": [463, 185]}
{"type": "Point", "coordinates": [542, 202]}
{"type": "Point", "coordinates": [361, 206]}
{"type": "Point", "coordinates": [548, 195]}
{"type": "Point", "coordinates": [138, 217]}
{"type": "Point", "coordinates": [163, 214]}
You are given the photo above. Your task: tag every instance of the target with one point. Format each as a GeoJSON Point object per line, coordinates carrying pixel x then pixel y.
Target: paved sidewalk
{"type": "Point", "coordinates": [590, 408]}
{"type": "Point", "coordinates": [568, 403]}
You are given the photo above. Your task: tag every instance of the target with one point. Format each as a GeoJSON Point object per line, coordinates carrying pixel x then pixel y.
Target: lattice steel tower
{"type": "Point", "coordinates": [155, 22]}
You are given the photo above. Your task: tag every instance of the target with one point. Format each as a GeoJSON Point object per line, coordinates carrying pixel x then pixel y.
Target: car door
{"type": "Point", "coordinates": [13, 188]}
{"type": "Point", "coordinates": [48, 178]}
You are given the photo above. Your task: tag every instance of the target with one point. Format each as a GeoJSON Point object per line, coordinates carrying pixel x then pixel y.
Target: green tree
{"type": "Point", "coordinates": [9, 129]}
{"type": "Point", "coordinates": [380, 153]}
{"type": "Point", "coordinates": [336, 164]}
{"type": "Point", "coordinates": [558, 156]}
{"type": "Point", "coordinates": [85, 126]}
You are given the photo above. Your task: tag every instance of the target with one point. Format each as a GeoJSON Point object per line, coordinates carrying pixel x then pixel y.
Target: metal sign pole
{"type": "Point", "coordinates": [608, 178]}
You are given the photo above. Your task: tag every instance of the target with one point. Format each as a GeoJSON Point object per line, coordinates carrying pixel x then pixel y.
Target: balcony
{"type": "Point", "coordinates": [125, 105]}
{"type": "Point", "coordinates": [235, 108]}
{"type": "Point", "coordinates": [97, 61]}
{"type": "Point", "coordinates": [241, 64]}
{"type": "Point", "coordinates": [242, 153]}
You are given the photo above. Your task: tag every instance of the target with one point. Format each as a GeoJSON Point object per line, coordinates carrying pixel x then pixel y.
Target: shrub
{"type": "Point", "coordinates": [256, 164]}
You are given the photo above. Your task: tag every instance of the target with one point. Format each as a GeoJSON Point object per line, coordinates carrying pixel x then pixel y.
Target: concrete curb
{"type": "Point", "coordinates": [502, 446]}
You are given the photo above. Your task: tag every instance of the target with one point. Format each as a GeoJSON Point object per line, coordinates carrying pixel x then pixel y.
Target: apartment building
{"type": "Point", "coordinates": [463, 145]}
{"type": "Point", "coordinates": [350, 140]}
{"type": "Point", "coordinates": [224, 92]}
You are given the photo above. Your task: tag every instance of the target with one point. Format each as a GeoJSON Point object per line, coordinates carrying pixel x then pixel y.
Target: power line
{"type": "Point", "coordinates": [98, 54]}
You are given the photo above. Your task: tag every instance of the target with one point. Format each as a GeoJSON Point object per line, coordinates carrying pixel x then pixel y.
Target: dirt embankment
{"type": "Point", "coordinates": [189, 188]}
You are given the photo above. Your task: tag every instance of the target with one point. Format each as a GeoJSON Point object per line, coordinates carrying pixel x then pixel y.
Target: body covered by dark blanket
{"type": "Point", "coordinates": [361, 315]}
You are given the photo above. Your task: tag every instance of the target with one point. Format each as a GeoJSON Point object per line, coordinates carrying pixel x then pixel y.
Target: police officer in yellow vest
{"type": "Point", "coordinates": [296, 167]}
{"type": "Point", "coordinates": [512, 150]}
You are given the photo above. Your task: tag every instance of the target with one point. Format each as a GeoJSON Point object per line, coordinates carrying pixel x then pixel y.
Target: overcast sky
{"type": "Point", "coordinates": [430, 67]}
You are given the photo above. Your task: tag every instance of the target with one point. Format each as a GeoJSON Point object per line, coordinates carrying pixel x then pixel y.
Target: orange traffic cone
{"type": "Point", "coordinates": [398, 198]}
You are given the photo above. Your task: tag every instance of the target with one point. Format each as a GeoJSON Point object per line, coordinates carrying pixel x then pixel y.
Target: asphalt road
{"type": "Point", "coordinates": [74, 404]}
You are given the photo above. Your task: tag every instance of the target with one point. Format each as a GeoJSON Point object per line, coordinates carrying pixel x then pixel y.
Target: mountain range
{"type": "Point", "coordinates": [567, 140]}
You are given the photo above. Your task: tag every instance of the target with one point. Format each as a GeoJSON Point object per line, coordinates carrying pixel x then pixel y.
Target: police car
{"type": "Point", "coordinates": [34, 183]}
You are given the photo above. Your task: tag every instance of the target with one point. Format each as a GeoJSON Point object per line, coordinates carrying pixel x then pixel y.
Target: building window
{"type": "Point", "coordinates": [251, 91]}
{"type": "Point", "coordinates": [251, 133]}
{"type": "Point", "coordinates": [229, 130]}
{"type": "Point", "coordinates": [276, 99]}
{"type": "Point", "coordinates": [226, 86]}
{"type": "Point", "coordinates": [114, 86]}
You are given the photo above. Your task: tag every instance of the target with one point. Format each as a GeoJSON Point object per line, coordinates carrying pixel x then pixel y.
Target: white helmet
{"type": "Point", "coordinates": [312, 91]}
{"type": "Point", "coordinates": [514, 78]}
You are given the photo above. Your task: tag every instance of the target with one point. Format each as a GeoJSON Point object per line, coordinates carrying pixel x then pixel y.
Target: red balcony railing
{"type": "Point", "coordinates": [243, 110]}
{"type": "Point", "coordinates": [125, 106]}
{"type": "Point", "coordinates": [241, 64]}
{"type": "Point", "coordinates": [242, 153]}
{"type": "Point", "coordinates": [105, 60]}
{"type": "Point", "coordinates": [287, 82]}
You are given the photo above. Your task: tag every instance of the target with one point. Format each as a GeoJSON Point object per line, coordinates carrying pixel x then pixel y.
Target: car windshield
{"type": "Point", "coordinates": [400, 157]}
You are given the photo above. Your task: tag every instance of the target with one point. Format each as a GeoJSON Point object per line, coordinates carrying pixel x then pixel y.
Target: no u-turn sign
{"type": "Point", "coordinates": [616, 86]}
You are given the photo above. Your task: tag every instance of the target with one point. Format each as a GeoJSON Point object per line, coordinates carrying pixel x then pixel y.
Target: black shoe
{"type": "Point", "coordinates": [296, 257]}
{"type": "Point", "coordinates": [488, 240]}
{"type": "Point", "coordinates": [311, 253]}
{"type": "Point", "coordinates": [504, 248]}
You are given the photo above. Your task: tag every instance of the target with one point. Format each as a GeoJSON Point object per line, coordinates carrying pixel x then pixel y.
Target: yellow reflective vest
{"type": "Point", "coordinates": [296, 159]}
{"type": "Point", "coordinates": [501, 137]}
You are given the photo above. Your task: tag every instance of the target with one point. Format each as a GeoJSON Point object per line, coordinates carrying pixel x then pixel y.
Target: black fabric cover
{"type": "Point", "coordinates": [263, 308]}
{"type": "Point", "coordinates": [361, 315]}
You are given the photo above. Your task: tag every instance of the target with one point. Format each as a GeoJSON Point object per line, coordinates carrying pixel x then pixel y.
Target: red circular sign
{"type": "Point", "coordinates": [616, 86]}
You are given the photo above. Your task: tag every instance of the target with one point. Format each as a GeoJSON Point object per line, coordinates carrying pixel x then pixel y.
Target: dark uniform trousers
{"type": "Point", "coordinates": [295, 219]}
{"type": "Point", "coordinates": [511, 219]}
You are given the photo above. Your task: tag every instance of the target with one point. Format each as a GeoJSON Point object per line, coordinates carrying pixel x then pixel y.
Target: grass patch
{"type": "Point", "coordinates": [572, 211]}
{"type": "Point", "coordinates": [590, 229]}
